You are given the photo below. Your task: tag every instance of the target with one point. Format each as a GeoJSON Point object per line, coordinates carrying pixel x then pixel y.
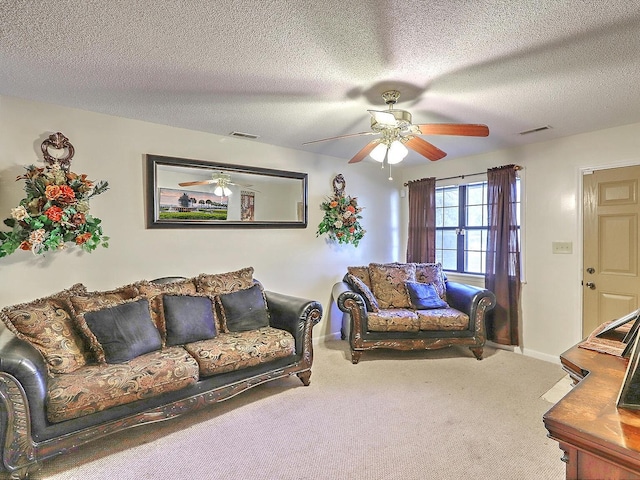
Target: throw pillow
{"type": "Point", "coordinates": [221, 283]}
{"type": "Point", "coordinates": [424, 296]}
{"type": "Point", "coordinates": [244, 310]}
{"type": "Point", "coordinates": [188, 318]}
{"type": "Point", "coordinates": [432, 273]}
{"type": "Point", "coordinates": [362, 273]}
{"type": "Point", "coordinates": [358, 286]}
{"type": "Point", "coordinates": [90, 301]}
{"type": "Point", "coordinates": [154, 293]}
{"type": "Point", "coordinates": [387, 282]}
{"type": "Point", "coordinates": [47, 324]}
{"type": "Point", "coordinates": [125, 331]}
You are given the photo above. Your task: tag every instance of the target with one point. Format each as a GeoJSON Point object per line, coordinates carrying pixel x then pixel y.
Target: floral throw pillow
{"type": "Point", "coordinates": [221, 283]}
{"type": "Point", "coordinates": [432, 273]}
{"type": "Point", "coordinates": [358, 285]}
{"type": "Point", "coordinates": [154, 292]}
{"type": "Point", "coordinates": [47, 324]}
{"type": "Point", "coordinates": [388, 283]}
{"type": "Point", "coordinates": [362, 273]}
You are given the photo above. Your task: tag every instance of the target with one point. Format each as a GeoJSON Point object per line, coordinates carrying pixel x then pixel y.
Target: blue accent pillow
{"type": "Point", "coordinates": [244, 310]}
{"type": "Point", "coordinates": [424, 296]}
{"type": "Point", "coordinates": [125, 331]}
{"type": "Point", "coordinates": [188, 318]}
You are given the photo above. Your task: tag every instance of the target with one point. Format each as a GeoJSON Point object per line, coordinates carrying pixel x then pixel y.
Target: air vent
{"type": "Point", "coordinates": [534, 130]}
{"type": "Point", "coordinates": [243, 135]}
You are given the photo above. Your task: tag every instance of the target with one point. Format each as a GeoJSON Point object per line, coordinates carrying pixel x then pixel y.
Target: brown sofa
{"type": "Point", "coordinates": [79, 365]}
{"type": "Point", "coordinates": [410, 306]}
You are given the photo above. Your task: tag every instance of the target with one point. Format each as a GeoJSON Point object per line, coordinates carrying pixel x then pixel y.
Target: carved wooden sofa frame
{"type": "Point", "coordinates": [23, 377]}
{"type": "Point", "coordinates": [473, 301]}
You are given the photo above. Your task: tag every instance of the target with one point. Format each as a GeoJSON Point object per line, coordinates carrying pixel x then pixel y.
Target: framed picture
{"type": "Point", "coordinates": [184, 193]}
{"type": "Point", "coordinates": [175, 204]}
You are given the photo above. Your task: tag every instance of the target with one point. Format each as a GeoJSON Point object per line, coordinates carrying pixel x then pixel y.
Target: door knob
{"type": "Point", "coordinates": [591, 285]}
{"type": "Point", "coordinates": [591, 270]}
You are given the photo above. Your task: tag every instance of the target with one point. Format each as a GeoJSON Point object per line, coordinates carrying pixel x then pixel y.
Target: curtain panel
{"type": "Point", "coordinates": [421, 244]}
{"type": "Point", "coordinates": [503, 256]}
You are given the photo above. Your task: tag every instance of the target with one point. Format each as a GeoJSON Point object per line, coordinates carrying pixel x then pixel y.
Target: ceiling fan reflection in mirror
{"type": "Point", "coordinates": [396, 133]}
{"type": "Point", "coordinates": [221, 181]}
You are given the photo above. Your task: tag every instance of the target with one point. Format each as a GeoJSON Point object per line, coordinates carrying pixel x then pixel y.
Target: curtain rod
{"type": "Point", "coordinates": [515, 167]}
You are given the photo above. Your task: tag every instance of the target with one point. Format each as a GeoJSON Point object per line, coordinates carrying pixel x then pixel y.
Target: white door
{"type": "Point", "coordinates": [611, 284]}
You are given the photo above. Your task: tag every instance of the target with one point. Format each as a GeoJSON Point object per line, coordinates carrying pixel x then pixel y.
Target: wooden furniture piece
{"type": "Point", "coordinates": [599, 440]}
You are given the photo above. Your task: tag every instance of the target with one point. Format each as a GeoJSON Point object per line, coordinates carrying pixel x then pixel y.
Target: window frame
{"type": "Point", "coordinates": [461, 229]}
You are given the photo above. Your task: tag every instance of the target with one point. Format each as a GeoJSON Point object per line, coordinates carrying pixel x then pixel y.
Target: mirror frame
{"type": "Point", "coordinates": [152, 207]}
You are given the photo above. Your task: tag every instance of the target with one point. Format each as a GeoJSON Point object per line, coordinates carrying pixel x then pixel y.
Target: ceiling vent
{"type": "Point", "coordinates": [243, 135]}
{"type": "Point", "coordinates": [535, 130]}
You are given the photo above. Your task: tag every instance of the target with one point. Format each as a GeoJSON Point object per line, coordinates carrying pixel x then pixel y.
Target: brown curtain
{"type": "Point", "coordinates": [503, 256]}
{"type": "Point", "coordinates": [421, 245]}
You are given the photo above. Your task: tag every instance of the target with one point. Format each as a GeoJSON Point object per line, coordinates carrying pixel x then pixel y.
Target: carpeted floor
{"type": "Point", "coordinates": [396, 415]}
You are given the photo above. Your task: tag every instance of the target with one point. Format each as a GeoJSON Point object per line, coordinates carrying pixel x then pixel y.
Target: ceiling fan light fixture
{"type": "Point", "coordinates": [397, 152]}
{"type": "Point", "coordinates": [221, 191]}
{"type": "Point", "coordinates": [379, 152]}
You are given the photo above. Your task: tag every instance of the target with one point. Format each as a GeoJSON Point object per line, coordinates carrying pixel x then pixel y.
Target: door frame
{"type": "Point", "coordinates": [580, 247]}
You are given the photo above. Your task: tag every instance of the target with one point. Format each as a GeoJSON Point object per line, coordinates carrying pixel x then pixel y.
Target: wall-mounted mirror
{"type": "Point", "coordinates": [183, 193]}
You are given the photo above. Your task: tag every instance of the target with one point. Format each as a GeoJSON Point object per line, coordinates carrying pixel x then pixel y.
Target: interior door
{"type": "Point", "coordinates": [610, 265]}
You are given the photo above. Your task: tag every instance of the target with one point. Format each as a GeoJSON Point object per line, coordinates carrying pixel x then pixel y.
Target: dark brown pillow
{"type": "Point", "coordinates": [188, 319]}
{"type": "Point", "coordinates": [124, 331]}
{"type": "Point", "coordinates": [244, 310]}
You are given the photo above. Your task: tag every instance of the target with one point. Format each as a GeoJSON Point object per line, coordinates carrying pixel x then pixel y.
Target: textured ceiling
{"type": "Point", "coordinates": [292, 71]}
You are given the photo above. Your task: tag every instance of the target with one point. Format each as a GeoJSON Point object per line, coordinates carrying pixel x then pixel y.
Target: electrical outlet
{"type": "Point", "coordinates": [562, 247]}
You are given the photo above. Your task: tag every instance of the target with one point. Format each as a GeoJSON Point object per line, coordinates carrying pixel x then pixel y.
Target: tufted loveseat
{"type": "Point", "coordinates": [410, 306]}
{"type": "Point", "coordinates": [79, 365]}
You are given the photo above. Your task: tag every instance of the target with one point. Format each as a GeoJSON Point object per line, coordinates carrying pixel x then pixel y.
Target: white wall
{"type": "Point", "coordinates": [552, 294]}
{"type": "Point", "coordinates": [291, 261]}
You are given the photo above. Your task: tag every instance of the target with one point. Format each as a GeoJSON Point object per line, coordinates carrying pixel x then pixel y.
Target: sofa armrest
{"type": "Point", "coordinates": [354, 308]}
{"type": "Point", "coordinates": [293, 314]}
{"type": "Point", "coordinates": [342, 292]}
{"type": "Point", "coordinates": [23, 383]}
{"type": "Point", "coordinates": [468, 298]}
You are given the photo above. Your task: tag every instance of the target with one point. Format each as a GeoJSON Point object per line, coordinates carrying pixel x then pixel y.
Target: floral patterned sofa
{"type": "Point", "coordinates": [410, 306]}
{"type": "Point", "coordinates": [79, 365]}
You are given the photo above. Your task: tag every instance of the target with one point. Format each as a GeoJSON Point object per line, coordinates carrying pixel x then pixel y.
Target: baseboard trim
{"type": "Point", "coordinates": [526, 352]}
{"type": "Point", "coordinates": [541, 356]}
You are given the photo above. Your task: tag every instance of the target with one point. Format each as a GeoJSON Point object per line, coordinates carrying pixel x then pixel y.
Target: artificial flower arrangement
{"type": "Point", "coordinates": [56, 208]}
{"type": "Point", "coordinates": [341, 215]}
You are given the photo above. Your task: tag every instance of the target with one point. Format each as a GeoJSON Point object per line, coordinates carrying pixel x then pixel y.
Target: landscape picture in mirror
{"type": "Point", "coordinates": [185, 193]}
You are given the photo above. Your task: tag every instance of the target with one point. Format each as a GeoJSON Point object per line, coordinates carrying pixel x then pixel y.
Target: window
{"type": "Point", "coordinates": [461, 226]}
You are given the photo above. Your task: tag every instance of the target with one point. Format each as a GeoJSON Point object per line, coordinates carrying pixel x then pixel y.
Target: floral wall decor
{"type": "Point", "coordinates": [55, 211]}
{"type": "Point", "coordinates": [341, 215]}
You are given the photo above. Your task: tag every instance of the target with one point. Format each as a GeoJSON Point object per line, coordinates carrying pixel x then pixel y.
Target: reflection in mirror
{"type": "Point", "coordinates": [184, 193]}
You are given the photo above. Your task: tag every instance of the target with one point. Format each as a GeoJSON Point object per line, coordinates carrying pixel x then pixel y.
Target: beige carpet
{"type": "Point", "coordinates": [395, 415]}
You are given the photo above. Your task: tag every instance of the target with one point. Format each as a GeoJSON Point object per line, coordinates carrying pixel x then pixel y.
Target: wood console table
{"type": "Point", "coordinates": [599, 440]}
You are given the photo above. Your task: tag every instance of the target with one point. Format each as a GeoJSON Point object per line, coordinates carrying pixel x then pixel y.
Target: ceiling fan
{"type": "Point", "coordinates": [221, 181]}
{"type": "Point", "coordinates": [397, 133]}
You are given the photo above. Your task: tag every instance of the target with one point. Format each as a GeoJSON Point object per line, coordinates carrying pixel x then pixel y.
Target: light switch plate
{"type": "Point", "coordinates": [562, 247]}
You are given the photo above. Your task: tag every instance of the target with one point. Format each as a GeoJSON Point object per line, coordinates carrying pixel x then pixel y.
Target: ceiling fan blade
{"type": "Point", "coordinates": [468, 130]}
{"type": "Point", "coordinates": [341, 136]}
{"type": "Point", "coordinates": [384, 118]}
{"type": "Point", "coordinates": [201, 182]}
{"type": "Point", "coordinates": [425, 149]}
{"type": "Point", "coordinates": [358, 157]}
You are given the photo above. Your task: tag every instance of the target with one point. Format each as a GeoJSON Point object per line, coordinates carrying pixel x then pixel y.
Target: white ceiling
{"type": "Point", "coordinates": [292, 71]}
